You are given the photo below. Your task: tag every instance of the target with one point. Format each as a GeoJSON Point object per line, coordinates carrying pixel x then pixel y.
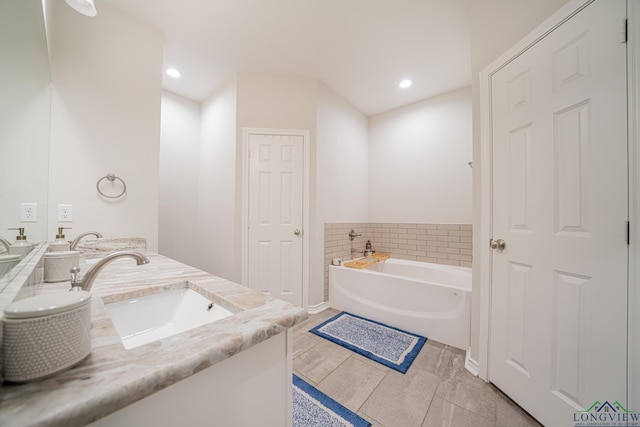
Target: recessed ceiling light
{"type": "Point", "coordinates": [405, 84]}
{"type": "Point", "coordinates": [172, 72]}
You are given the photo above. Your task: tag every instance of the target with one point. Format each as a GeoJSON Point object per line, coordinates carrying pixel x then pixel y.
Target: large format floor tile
{"type": "Point", "coordinates": [469, 392]}
{"type": "Point", "coordinates": [446, 414]}
{"type": "Point", "coordinates": [436, 391]}
{"type": "Point", "coordinates": [352, 383]}
{"type": "Point", "coordinates": [402, 399]}
{"type": "Point", "coordinates": [320, 360]}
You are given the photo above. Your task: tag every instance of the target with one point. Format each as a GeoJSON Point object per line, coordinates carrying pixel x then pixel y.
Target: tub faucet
{"type": "Point", "coordinates": [4, 242]}
{"type": "Point", "coordinates": [87, 280]}
{"type": "Point", "coordinates": [75, 241]}
{"type": "Point", "coordinates": [353, 234]}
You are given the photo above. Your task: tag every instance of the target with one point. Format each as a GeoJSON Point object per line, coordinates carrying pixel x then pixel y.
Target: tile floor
{"type": "Point", "coordinates": [436, 391]}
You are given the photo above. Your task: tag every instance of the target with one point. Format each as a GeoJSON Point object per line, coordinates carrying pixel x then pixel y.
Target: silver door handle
{"type": "Point", "coordinates": [499, 244]}
{"type": "Point", "coordinates": [297, 231]}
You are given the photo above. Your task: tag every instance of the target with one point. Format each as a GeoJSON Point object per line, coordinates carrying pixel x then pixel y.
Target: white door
{"type": "Point", "coordinates": [276, 180]}
{"type": "Point", "coordinates": [559, 287]}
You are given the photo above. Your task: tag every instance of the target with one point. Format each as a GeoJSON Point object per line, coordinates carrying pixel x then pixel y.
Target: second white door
{"type": "Point", "coordinates": [276, 181]}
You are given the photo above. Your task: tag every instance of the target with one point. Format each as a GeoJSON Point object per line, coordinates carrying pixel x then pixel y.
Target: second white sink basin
{"type": "Point", "coordinates": [145, 319]}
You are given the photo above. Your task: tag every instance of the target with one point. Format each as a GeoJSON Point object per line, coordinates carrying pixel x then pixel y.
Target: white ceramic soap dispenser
{"type": "Point", "coordinates": [20, 246]}
{"type": "Point", "coordinates": [60, 244]}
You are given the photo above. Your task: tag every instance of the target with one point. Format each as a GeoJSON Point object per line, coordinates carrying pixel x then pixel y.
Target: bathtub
{"type": "Point", "coordinates": [431, 300]}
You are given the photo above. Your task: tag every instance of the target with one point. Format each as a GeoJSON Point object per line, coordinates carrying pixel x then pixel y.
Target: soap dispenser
{"type": "Point", "coordinates": [60, 244]}
{"type": "Point", "coordinates": [21, 246]}
{"type": "Point", "coordinates": [368, 249]}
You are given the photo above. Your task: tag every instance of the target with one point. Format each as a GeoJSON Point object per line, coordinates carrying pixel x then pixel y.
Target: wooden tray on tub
{"type": "Point", "coordinates": [366, 261]}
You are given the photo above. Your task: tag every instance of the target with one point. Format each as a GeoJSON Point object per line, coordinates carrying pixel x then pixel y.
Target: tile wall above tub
{"type": "Point", "coordinates": [438, 243]}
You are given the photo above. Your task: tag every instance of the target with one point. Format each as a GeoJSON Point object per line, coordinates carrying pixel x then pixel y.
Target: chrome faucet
{"type": "Point", "coordinates": [75, 241]}
{"type": "Point", "coordinates": [87, 280]}
{"type": "Point", "coordinates": [4, 242]}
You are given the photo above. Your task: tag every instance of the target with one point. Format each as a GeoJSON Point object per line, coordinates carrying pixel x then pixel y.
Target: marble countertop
{"type": "Point", "coordinates": [111, 377]}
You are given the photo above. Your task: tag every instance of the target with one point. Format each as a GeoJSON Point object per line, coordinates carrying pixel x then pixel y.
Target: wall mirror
{"type": "Point", "coordinates": [25, 107]}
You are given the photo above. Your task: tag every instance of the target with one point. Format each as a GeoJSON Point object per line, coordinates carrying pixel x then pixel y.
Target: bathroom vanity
{"type": "Point", "coordinates": [234, 371]}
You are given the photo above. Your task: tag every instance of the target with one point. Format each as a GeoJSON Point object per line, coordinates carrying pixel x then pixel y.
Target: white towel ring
{"type": "Point", "coordinates": [111, 178]}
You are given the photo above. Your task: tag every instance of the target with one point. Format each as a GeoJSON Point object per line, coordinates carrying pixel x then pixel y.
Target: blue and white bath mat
{"type": "Point", "coordinates": [387, 345]}
{"type": "Point", "coordinates": [312, 408]}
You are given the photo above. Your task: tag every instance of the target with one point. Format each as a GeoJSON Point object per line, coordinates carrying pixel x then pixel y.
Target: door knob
{"type": "Point", "coordinates": [297, 232]}
{"type": "Point", "coordinates": [499, 244]}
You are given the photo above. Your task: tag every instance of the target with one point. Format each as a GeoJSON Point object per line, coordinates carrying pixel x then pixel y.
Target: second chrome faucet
{"type": "Point", "coordinates": [75, 241]}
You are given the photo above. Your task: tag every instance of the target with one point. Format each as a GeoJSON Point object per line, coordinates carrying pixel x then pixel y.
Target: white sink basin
{"type": "Point", "coordinates": [143, 320]}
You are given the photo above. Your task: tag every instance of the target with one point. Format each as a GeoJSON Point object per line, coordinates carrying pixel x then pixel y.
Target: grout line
{"type": "Point", "coordinates": [375, 388]}
{"type": "Point", "coordinates": [370, 394]}
{"type": "Point", "coordinates": [334, 369]}
{"type": "Point", "coordinates": [372, 418]}
{"type": "Point", "coordinates": [429, 407]}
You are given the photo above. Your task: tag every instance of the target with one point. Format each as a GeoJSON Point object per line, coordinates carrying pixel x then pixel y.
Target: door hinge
{"type": "Point", "coordinates": [628, 233]}
{"type": "Point", "coordinates": [625, 31]}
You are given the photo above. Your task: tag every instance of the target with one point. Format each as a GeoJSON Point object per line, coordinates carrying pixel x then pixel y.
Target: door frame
{"type": "Point", "coordinates": [633, 315]}
{"type": "Point", "coordinates": [305, 134]}
{"type": "Point", "coordinates": [486, 172]}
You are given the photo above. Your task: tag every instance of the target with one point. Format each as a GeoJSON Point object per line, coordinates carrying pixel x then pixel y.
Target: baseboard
{"type": "Point", "coordinates": [470, 364]}
{"type": "Point", "coordinates": [315, 309]}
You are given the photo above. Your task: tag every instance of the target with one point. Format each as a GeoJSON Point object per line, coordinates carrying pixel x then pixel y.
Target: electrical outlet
{"type": "Point", "coordinates": [29, 212]}
{"type": "Point", "coordinates": [65, 213]}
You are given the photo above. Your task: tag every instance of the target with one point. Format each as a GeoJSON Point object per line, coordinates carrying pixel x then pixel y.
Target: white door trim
{"type": "Point", "coordinates": [246, 133]}
{"type": "Point", "coordinates": [633, 61]}
{"type": "Point", "coordinates": [486, 172]}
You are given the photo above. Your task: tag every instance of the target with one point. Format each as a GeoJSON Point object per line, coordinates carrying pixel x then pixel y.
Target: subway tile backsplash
{"type": "Point", "coordinates": [437, 243]}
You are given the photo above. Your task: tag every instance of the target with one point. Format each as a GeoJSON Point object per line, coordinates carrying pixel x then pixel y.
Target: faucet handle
{"type": "Point", "coordinates": [74, 276]}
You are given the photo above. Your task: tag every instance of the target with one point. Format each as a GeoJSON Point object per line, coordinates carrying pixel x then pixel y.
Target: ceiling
{"type": "Point", "coordinates": [361, 49]}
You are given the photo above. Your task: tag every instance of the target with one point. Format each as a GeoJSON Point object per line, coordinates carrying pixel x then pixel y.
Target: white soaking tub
{"type": "Point", "coordinates": [431, 300]}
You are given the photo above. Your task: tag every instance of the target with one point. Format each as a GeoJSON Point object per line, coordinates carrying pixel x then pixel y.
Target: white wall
{"type": "Point", "coordinates": [339, 162]}
{"type": "Point", "coordinates": [217, 212]}
{"type": "Point", "coordinates": [178, 233]}
{"type": "Point", "coordinates": [342, 158]}
{"type": "Point", "coordinates": [342, 173]}
{"type": "Point", "coordinates": [418, 161]}
{"type": "Point", "coordinates": [249, 100]}
{"type": "Point", "coordinates": [105, 119]}
{"type": "Point", "coordinates": [24, 116]}
{"type": "Point", "coordinates": [278, 102]}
